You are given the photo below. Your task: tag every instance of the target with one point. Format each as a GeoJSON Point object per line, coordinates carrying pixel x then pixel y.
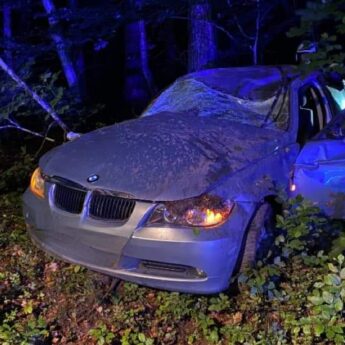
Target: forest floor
{"type": "Point", "coordinates": [297, 298]}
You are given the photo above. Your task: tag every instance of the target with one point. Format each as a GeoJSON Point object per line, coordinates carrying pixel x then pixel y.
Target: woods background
{"type": "Point", "coordinates": [99, 62]}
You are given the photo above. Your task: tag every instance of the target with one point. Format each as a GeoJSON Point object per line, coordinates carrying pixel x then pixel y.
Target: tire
{"type": "Point", "coordinates": [260, 236]}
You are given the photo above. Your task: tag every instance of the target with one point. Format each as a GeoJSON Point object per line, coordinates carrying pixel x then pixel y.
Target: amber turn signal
{"type": "Point", "coordinates": [37, 183]}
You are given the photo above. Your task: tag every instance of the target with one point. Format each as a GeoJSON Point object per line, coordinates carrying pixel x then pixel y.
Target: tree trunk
{"type": "Point", "coordinates": [78, 58]}
{"type": "Point", "coordinates": [256, 45]}
{"type": "Point", "coordinates": [171, 49]}
{"type": "Point", "coordinates": [202, 45]}
{"type": "Point", "coordinates": [144, 55]}
{"type": "Point", "coordinates": [61, 47]}
{"type": "Point", "coordinates": [7, 32]}
{"type": "Point", "coordinates": [138, 79]}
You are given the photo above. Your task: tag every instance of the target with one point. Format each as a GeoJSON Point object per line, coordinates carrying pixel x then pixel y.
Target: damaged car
{"type": "Point", "coordinates": [183, 197]}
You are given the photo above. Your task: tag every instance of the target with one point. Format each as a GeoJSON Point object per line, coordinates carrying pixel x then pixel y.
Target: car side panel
{"type": "Point", "coordinates": [319, 175]}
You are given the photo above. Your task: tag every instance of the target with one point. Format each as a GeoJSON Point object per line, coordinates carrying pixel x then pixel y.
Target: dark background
{"type": "Point", "coordinates": [104, 42]}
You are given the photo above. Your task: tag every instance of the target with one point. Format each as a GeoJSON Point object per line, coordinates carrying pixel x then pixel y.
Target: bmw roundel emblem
{"type": "Point", "coordinates": [92, 178]}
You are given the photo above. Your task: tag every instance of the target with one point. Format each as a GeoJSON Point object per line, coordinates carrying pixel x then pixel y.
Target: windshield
{"type": "Point", "coordinates": [235, 95]}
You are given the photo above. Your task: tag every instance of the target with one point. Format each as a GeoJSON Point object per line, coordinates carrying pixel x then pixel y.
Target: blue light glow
{"type": "Point", "coordinates": [338, 96]}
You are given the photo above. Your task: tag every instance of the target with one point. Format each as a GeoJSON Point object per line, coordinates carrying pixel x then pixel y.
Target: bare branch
{"type": "Point", "coordinates": [44, 140]}
{"type": "Point", "coordinates": [12, 126]}
{"type": "Point", "coordinates": [266, 12]}
{"type": "Point", "coordinates": [45, 105]}
{"type": "Point", "coordinates": [220, 28]}
{"type": "Point", "coordinates": [240, 28]}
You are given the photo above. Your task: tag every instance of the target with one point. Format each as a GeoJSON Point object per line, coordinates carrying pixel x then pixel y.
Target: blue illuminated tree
{"type": "Point", "coordinates": [254, 24]}
{"type": "Point", "coordinates": [138, 79]}
{"type": "Point", "coordinates": [60, 44]}
{"type": "Point", "coordinates": [202, 48]}
{"type": "Point", "coordinates": [7, 30]}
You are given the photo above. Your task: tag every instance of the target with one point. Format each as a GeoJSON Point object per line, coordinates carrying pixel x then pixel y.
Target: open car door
{"type": "Point", "coordinates": [319, 173]}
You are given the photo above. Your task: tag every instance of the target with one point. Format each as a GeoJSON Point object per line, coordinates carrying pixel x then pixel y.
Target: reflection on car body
{"type": "Point", "coordinates": [174, 199]}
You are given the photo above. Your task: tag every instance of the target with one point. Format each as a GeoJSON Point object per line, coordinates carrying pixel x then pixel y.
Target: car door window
{"type": "Point", "coordinates": [312, 114]}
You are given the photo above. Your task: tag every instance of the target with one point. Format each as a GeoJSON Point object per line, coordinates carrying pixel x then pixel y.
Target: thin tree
{"type": "Point", "coordinates": [138, 81]}
{"type": "Point", "coordinates": [253, 28]}
{"type": "Point", "coordinates": [78, 56]}
{"type": "Point", "coordinates": [7, 31]}
{"type": "Point", "coordinates": [202, 49]}
{"type": "Point", "coordinates": [39, 100]}
{"type": "Point", "coordinates": [61, 46]}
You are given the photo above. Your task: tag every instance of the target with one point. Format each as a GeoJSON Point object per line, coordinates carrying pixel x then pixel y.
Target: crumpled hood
{"type": "Point", "coordinates": [168, 156]}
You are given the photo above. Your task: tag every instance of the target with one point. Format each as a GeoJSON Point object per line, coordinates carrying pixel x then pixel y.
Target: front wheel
{"type": "Point", "coordinates": [260, 236]}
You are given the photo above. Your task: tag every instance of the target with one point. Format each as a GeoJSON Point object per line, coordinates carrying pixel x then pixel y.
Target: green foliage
{"type": "Point", "coordinates": [322, 22]}
{"type": "Point", "coordinates": [219, 303]}
{"type": "Point", "coordinates": [239, 334]}
{"type": "Point", "coordinates": [338, 245]}
{"type": "Point", "coordinates": [173, 305]}
{"type": "Point", "coordinates": [101, 334]}
{"type": "Point", "coordinates": [208, 327]}
{"type": "Point", "coordinates": [131, 338]}
{"type": "Point", "coordinates": [18, 110]}
{"type": "Point", "coordinates": [327, 303]}
{"type": "Point", "coordinates": [13, 332]}
{"type": "Point", "coordinates": [301, 224]}
{"type": "Point", "coordinates": [16, 104]}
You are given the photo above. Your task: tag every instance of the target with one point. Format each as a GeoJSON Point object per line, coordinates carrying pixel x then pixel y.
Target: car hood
{"type": "Point", "coordinates": [168, 156]}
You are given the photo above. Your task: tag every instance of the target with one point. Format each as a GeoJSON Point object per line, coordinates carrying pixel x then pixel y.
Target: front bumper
{"type": "Point", "coordinates": [164, 257]}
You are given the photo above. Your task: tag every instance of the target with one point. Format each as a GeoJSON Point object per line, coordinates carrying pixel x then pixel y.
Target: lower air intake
{"type": "Point", "coordinates": [170, 270]}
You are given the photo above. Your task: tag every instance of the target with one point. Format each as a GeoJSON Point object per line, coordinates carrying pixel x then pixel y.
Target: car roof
{"type": "Point", "coordinates": [245, 82]}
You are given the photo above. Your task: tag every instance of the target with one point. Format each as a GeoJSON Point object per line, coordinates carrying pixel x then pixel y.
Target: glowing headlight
{"type": "Point", "coordinates": [204, 211]}
{"type": "Point", "coordinates": [37, 183]}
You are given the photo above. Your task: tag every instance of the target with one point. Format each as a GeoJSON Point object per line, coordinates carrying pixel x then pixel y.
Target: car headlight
{"type": "Point", "coordinates": [37, 183]}
{"type": "Point", "coordinates": [205, 211]}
